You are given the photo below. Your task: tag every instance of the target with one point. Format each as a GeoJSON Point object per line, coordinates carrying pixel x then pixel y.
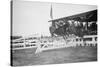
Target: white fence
{"type": "Point", "coordinates": [24, 44]}
{"type": "Point", "coordinates": [47, 44]}
{"type": "Point", "coordinates": [71, 42]}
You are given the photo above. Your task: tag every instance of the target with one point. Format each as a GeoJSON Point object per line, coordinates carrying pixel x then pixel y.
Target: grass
{"type": "Point", "coordinates": [25, 57]}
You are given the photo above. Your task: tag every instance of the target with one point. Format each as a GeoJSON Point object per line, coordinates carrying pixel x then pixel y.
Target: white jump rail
{"type": "Point", "coordinates": [72, 43]}
{"type": "Point", "coordinates": [54, 44]}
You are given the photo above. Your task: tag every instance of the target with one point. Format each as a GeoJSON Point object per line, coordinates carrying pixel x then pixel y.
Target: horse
{"type": "Point", "coordinates": [67, 29]}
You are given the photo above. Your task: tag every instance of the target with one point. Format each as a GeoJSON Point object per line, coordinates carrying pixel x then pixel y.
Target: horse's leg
{"type": "Point", "coordinates": [64, 37]}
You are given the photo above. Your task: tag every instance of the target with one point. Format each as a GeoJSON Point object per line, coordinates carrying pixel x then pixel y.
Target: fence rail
{"type": "Point", "coordinates": [44, 44]}
{"type": "Point", "coordinates": [73, 42]}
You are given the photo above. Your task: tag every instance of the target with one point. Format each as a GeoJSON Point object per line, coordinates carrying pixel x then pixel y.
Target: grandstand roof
{"type": "Point", "coordinates": [82, 17]}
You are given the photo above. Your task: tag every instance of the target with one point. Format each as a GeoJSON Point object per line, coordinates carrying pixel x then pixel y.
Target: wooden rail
{"type": "Point", "coordinates": [45, 44]}
{"type": "Point", "coordinates": [73, 42]}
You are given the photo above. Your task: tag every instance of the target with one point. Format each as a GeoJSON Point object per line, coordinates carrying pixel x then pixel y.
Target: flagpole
{"type": "Point", "coordinates": [51, 13]}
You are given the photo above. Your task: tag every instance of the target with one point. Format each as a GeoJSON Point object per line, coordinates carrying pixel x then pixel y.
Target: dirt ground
{"type": "Point", "coordinates": [25, 57]}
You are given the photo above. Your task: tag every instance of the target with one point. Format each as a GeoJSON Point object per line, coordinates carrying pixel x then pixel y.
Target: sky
{"type": "Point", "coordinates": [31, 18]}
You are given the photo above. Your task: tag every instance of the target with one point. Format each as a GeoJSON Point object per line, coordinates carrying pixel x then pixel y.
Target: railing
{"type": "Point", "coordinates": [45, 44]}
{"type": "Point", "coordinates": [24, 45]}
{"type": "Point", "coordinates": [73, 42]}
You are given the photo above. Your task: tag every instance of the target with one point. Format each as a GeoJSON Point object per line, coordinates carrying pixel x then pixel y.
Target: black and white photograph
{"type": "Point", "coordinates": [44, 33]}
